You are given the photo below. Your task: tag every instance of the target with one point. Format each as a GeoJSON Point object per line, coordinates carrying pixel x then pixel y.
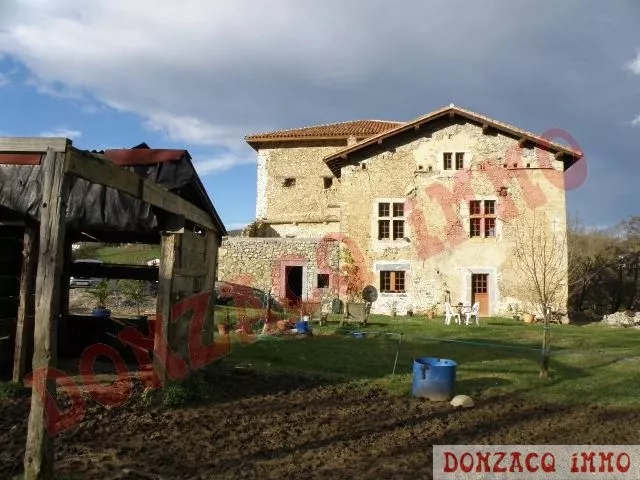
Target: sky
{"type": "Point", "coordinates": [203, 74]}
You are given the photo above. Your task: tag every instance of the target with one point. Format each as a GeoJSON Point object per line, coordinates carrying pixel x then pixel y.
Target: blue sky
{"type": "Point", "coordinates": [202, 74]}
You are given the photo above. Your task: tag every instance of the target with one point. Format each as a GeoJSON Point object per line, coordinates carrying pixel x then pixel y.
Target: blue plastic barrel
{"type": "Point", "coordinates": [434, 378]}
{"type": "Point", "coordinates": [302, 326]}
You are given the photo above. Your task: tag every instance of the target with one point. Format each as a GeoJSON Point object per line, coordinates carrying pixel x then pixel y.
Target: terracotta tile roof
{"type": "Point", "coordinates": [355, 128]}
{"type": "Point", "coordinates": [334, 160]}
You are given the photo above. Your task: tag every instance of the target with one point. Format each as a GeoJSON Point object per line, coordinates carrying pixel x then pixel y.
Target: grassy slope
{"type": "Point", "coordinates": [132, 255]}
{"type": "Point", "coordinates": [592, 364]}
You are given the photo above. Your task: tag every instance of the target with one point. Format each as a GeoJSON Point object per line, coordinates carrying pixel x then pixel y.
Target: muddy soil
{"type": "Point", "coordinates": [290, 427]}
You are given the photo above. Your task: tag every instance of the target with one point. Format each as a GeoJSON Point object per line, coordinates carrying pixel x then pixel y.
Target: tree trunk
{"type": "Point", "coordinates": [632, 299]}
{"type": "Point", "coordinates": [546, 344]}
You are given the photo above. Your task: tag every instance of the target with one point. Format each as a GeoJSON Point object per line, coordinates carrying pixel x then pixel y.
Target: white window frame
{"type": "Point", "coordinates": [386, 242]}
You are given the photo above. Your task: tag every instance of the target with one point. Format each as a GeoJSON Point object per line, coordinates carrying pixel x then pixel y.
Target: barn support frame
{"type": "Point", "coordinates": [61, 162]}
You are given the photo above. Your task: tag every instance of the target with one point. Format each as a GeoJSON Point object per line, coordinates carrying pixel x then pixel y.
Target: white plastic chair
{"type": "Point", "coordinates": [449, 313]}
{"type": "Point", "coordinates": [475, 311]}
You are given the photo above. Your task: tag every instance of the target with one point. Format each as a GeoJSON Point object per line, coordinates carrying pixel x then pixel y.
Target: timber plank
{"type": "Point", "coordinates": [34, 144]}
{"type": "Point", "coordinates": [24, 327]}
{"type": "Point", "coordinates": [38, 459]}
{"type": "Point", "coordinates": [104, 172]}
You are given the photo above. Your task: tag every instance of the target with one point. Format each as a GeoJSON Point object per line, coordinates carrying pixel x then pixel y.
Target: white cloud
{"type": "Point", "coordinates": [62, 132]}
{"type": "Point", "coordinates": [4, 79]}
{"type": "Point", "coordinates": [636, 121]}
{"type": "Point", "coordinates": [221, 163]}
{"type": "Point", "coordinates": [634, 65]}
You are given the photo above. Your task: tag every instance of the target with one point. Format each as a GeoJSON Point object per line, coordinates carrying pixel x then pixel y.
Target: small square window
{"type": "Point", "coordinates": [474, 207]}
{"type": "Point", "coordinates": [323, 280]}
{"type": "Point", "coordinates": [289, 182]}
{"type": "Point", "coordinates": [328, 182]}
{"type": "Point", "coordinates": [383, 210]}
{"type": "Point", "coordinates": [447, 160]}
{"type": "Point", "coordinates": [475, 227]}
{"type": "Point", "coordinates": [398, 209]}
{"type": "Point", "coordinates": [398, 229]}
{"type": "Point", "coordinates": [489, 207]}
{"type": "Point", "coordinates": [490, 227]}
{"type": "Point", "coordinates": [459, 161]}
{"type": "Point", "coordinates": [383, 229]}
{"type": "Point", "coordinates": [392, 282]}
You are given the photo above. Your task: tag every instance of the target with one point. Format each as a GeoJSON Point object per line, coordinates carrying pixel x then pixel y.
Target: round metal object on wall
{"type": "Point", "coordinates": [369, 293]}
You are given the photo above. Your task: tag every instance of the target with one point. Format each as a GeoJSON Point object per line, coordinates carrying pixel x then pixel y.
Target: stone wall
{"type": "Point", "coordinates": [308, 198]}
{"type": "Point", "coordinates": [438, 253]}
{"type": "Point", "coordinates": [260, 263]}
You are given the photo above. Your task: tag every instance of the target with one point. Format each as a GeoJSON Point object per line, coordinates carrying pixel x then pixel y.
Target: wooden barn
{"type": "Point", "coordinates": [53, 195]}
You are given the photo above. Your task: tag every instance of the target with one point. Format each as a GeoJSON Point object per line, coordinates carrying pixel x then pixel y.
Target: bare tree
{"type": "Point", "coordinates": [539, 269]}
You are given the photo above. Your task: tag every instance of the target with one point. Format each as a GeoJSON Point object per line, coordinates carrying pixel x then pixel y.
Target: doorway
{"type": "Point", "coordinates": [293, 284]}
{"type": "Point", "coordinates": [480, 292]}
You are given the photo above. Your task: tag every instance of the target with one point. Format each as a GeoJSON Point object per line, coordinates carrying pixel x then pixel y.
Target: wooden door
{"type": "Point", "coordinates": [480, 292]}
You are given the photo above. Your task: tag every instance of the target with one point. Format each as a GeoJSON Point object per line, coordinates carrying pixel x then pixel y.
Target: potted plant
{"type": "Point", "coordinates": [431, 312]}
{"type": "Point", "coordinates": [410, 311]}
{"type": "Point", "coordinates": [393, 309]}
{"type": "Point", "coordinates": [101, 293]}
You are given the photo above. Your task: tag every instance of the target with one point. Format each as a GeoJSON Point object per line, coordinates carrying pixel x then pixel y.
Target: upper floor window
{"type": "Point", "coordinates": [482, 218]}
{"type": "Point", "coordinates": [390, 220]}
{"type": "Point", "coordinates": [391, 282]}
{"type": "Point", "coordinates": [448, 160]}
{"type": "Point", "coordinates": [289, 182]}
{"type": "Point", "coordinates": [328, 182]}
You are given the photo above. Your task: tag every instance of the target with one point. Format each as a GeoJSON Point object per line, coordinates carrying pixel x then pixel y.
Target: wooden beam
{"type": "Point", "coordinates": [485, 127]}
{"type": "Point", "coordinates": [104, 172]}
{"type": "Point", "coordinates": [451, 114]}
{"type": "Point", "coordinates": [168, 259]}
{"type": "Point", "coordinates": [559, 156]}
{"type": "Point", "coordinates": [35, 144]}
{"type": "Point", "coordinates": [38, 458]}
{"type": "Point", "coordinates": [522, 141]}
{"type": "Point", "coordinates": [416, 127]}
{"type": "Point", "coordinates": [380, 141]}
{"type": "Point", "coordinates": [24, 326]}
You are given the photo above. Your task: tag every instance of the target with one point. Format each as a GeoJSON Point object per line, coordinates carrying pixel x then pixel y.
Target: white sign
{"type": "Point", "coordinates": [550, 462]}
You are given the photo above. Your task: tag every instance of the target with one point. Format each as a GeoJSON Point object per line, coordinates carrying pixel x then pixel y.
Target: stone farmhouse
{"type": "Point", "coordinates": [423, 208]}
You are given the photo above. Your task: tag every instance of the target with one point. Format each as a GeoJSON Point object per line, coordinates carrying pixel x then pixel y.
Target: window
{"type": "Point", "coordinates": [448, 160]}
{"type": "Point", "coordinates": [391, 282]}
{"type": "Point", "coordinates": [390, 220]}
{"type": "Point", "coordinates": [289, 182]}
{"type": "Point", "coordinates": [328, 181]}
{"type": "Point", "coordinates": [323, 280]}
{"type": "Point", "coordinates": [483, 220]}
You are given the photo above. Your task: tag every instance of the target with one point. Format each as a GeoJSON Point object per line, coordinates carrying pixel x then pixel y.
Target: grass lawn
{"type": "Point", "coordinates": [132, 255]}
{"type": "Point", "coordinates": [589, 364]}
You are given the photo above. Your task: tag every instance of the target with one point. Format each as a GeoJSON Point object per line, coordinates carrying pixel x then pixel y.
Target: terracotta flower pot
{"type": "Point", "coordinates": [528, 318]}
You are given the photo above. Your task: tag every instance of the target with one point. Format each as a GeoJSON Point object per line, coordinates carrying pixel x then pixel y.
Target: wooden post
{"type": "Point", "coordinates": [38, 458]}
{"type": "Point", "coordinates": [169, 244]}
{"type": "Point", "coordinates": [24, 327]}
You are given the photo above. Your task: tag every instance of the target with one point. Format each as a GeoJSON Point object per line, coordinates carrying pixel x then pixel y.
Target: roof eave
{"type": "Point", "coordinates": [333, 159]}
